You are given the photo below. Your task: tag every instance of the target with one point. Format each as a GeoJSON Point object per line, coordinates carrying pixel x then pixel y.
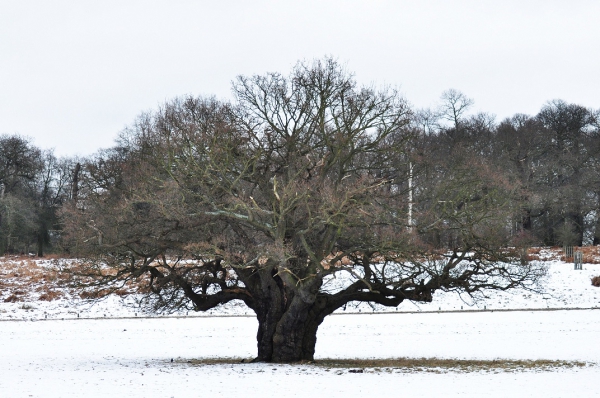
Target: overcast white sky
{"type": "Point", "coordinates": [74, 73]}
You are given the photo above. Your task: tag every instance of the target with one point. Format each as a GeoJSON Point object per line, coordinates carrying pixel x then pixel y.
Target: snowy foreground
{"type": "Point", "coordinates": [47, 351]}
{"type": "Point", "coordinates": [132, 357]}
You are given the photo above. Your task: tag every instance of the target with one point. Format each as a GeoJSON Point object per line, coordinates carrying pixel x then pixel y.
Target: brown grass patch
{"type": "Point", "coordinates": [94, 294]}
{"type": "Point", "coordinates": [534, 250]}
{"type": "Point", "coordinates": [50, 295]}
{"type": "Point", "coordinates": [214, 361]}
{"type": "Point", "coordinates": [596, 281]}
{"type": "Point", "coordinates": [123, 292]}
{"type": "Point", "coordinates": [55, 256]}
{"type": "Point", "coordinates": [468, 365]}
{"type": "Point", "coordinates": [591, 254]}
{"type": "Point", "coordinates": [414, 364]}
{"type": "Point", "coordinates": [13, 298]}
{"type": "Point", "coordinates": [25, 278]}
{"type": "Point", "coordinates": [533, 253]}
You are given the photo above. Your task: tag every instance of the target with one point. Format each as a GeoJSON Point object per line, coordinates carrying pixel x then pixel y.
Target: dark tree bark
{"type": "Point", "coordinates": [75, 182]}
{"type": "Point", "coordinates": [40, 243]}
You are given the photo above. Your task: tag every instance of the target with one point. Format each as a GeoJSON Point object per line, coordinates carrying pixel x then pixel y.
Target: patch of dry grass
{"type": "Point", "coordinates": [533, 253]}
{"type": "Point", "coordinates": [50, 295]}
{"type": "Point", "coordinates": [22, 279]}
{"type": "Point", "coordinates": [461, 365]}
{"type": "Point", "coordinates": [435, 365]}
{"type": "Point", "coordinates": [213, 361]}
{"type": "Point", "coordinates": [591, 254]}
{"type": "Point", "coordinates": [27, 278]}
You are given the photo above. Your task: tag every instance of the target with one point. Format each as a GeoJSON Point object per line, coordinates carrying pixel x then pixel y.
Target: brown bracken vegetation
{"type": "Point", "coordinates": [591, 254]}
{"type": "Point", "coordinates": [23, 278]}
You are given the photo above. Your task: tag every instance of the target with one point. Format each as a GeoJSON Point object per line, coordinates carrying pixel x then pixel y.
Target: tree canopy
{"type": "Point", "coordinates": [306, 193]}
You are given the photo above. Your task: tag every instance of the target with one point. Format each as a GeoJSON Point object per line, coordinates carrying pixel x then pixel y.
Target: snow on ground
{"type": "Point", "coordinates": [131, 357]}
{"type": "Point", "coordinates": [42, 355]}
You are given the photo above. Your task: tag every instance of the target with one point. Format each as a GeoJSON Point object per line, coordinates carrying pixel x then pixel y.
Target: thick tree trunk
{"type": "Point", "coordinates": [40, 245]}
{"type": "Point", "coordinates": [576, 220]}
{"type": "Point", "coordinates": [596, 240]}
{"type": "Point", "coordinates": [288, 319]}
{"type": "Point", "coordinates": [292, 338]}
{"type": "Point", "coordinates": [75, 186]}
{"type": "Point", "coordinates": [526, 223]}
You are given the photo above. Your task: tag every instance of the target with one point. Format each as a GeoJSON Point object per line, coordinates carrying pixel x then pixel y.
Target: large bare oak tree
{"type": "Point", "coordinates": [292, 199]}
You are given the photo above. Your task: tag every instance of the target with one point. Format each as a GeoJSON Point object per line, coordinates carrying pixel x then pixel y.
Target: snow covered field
{"type": "Point", "coordinates": [131, 357]}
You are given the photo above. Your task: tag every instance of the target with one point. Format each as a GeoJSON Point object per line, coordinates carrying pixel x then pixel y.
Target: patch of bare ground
{"type": "Point", "coordinates": [412, 365]}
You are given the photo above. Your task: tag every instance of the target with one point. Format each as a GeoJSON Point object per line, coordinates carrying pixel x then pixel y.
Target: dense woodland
{"type": "Point", "coordinates": [34, 184]}
{"type": "Point", "coordinates": [548, 166]}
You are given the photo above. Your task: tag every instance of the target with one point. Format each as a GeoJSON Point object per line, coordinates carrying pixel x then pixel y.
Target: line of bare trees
{"type": "Point", "coordinates": [549, 163]}
{"type": "Point", "coordinates": [34, 184]}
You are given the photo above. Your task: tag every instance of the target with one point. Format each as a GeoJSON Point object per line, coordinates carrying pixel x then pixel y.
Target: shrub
{"type": "Point", "coordinates": [122, 292]}
{"type": "Point", "coordinates": [13, 298]}
{"type": "Point", "coordinates": [596, 281]}
{"type": "Point", "coordinates": [50, 295]}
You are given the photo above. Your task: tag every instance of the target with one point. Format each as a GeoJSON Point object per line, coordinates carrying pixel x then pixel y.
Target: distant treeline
{"type": "Point", "coordinates": [34, 184]}
{"type": "Point", "coordinates": [549, 162]}
{"type": "Point", "coordinates": [548, 166]}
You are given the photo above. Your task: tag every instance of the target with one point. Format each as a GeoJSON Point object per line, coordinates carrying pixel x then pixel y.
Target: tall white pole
{"type": "Point", "coordinates": [410, 196]}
